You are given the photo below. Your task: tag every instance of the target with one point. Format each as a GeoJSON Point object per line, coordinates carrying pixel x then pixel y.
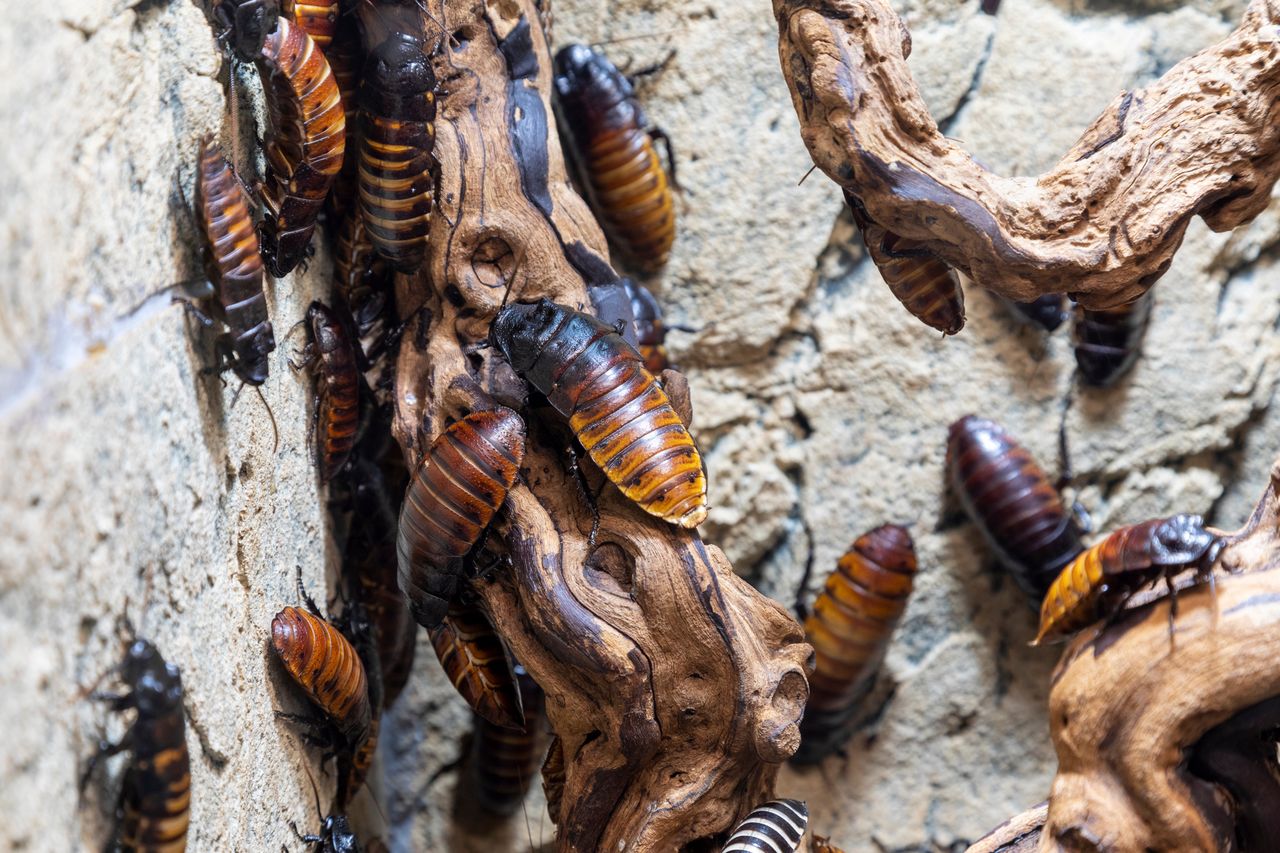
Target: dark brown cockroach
{"type": "Point", "coordinates": [1107, 340]}
{"type": "Point", "coordinates": [505, 760]}
{"type": "Point", "coordinates": [611, 143]}
{"type": "Point", "coordinates": [461, 483]}
{"type": "Point", "coordinates": [473, 657]}
{"type": "Point", "coordinates": [243, 25]}
{"type": "Point", "coordinates": [852, 621]}
{"type": "Point", "coordinates": [335, 836]}
{"type": "Point", "coordinates": [1100, 580]}
{"type": "Point", "coordinates": [1012, 502]}
{"type": "Point", "coordinates": [615, 407]}
{"type": "Point", "coordinates": [354, 766]}
{"type": "Point", "coordinates": [775, 827]}
{"type": "Point", "coordinates": [1048, 312]}
{"type": "Point", "coordinates": [327, 668]}
{"type": "Point", "coordinates": [346, 60]}
{"type": "Point", "coordinates": [233, 265]}
{"type": "Point", "coordinates": [919, 279]}
{"type": "Point", "coordinates": [318, 19]}
{"type": "Point", "coordinates": [397, 138]}
{"type": "Point", "coordinates": [553, 778]}
{"type": "Point", "coordinates": [156, 797]}
{"type": "Point", "coordinates": [365, 284]}
{"type": "Point", "coordinates": [337, 407]}
{"type": "Point", "coordinates": [651, 331]}
{"type": "Point", "coordinates": [304, 146]}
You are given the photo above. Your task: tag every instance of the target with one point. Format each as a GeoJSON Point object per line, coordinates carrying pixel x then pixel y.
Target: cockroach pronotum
{"type": "Point", "coordinates": [1012, 502]}
{"type": "Point", "coordinates": [305, 144]}
{"type": "Point", "coordinates": [919, 279]}
{"type": "Point", "coordinates": [504, 760]}
{"type": "Point", "coordinates": [473, 657]}
{"type": "Point", "coordinates": [156, 797]}
{"type": "Point", "coordinates": [1107, 340]}
{"type": "Point", "coordinates": [327, 668]}
{"type": "Point", "coordinates": [337, 407]}
{"type": "Point", "coordinates": [397, 140]}
{"type": "Point", "coordinates": [615, 407]}
{"type": "Point", "coordinates": [318, 19]}
{"type": "Point", "coordinates": [243, 25]}
{"type": "Point", "coordinates": [1099, 580]}
{"type": "Point", "coordinates": [1047, 312]}
{"type": "Point", "coordinates": [775, 827]}
{"type": "Point", "coordinates": [460, 484]}
{"type": "Point", "coordinates": [651, 330]}
{"type": "Point", "coordinates": [233, 265]}
{"type": "Point", "coordinates": [335, 836]}
{"type": "Point", "coordinates": [849, 629]}
{"type": "Point", "coordinates": [612, 146]}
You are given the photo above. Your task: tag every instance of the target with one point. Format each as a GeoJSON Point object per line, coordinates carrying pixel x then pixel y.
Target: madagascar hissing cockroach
{"type": "Point", "coordinates": [318, 18]}
{"type": "Point", "coordinates": [354, 765]}
{"type": "Point", "coordinates": [335, 836]}
{"type": "Point", "coordinates": [553, 778]}
{"type": "Point", "coordinates": [504, 760]}
{"type": "Point", "coordinates": [365, 284]}
{"type": "Point", "coordinates": [919, 279]}
{"type": "Point", "coordinates": [346, 60]}
{"type": "Point", "coordinates": [1048, 312]}
{"type": "Point", "coordinates": [327, 668]}
{"type": "Point", "coordinates": [1012, 502]}
{"type": "Point", "coordinates": [156, 797]}
{"type": "Point", "coordinates": [1099, 581]}
{"type": "Point", "coordinates": [1107, 340]}
{"type": "Point", "coordinates": [651, 331]}
{"type": "Point", "coordinates": [337, 407]}
{"type": "Point", "coordinates": [233, 265]}
{"type": "Point", "coordinates": [460, 484]}
{"type": "Point", "coordinates": [775, 827]}
{"type": "Point", "coordinates": [473, 657]}
{"type": "Point", "coordinates": [304, 146]}
{"type": "Point", "coordinates": [615, 407]}
{"type": "Point", "coordinates": [611, 143]}
{"type": "Point", "coordinates": [243, 25]}
{"type": "Point", "coordinates": [397, 141]}
{"type": "Point", "coordinates": [852, 620]}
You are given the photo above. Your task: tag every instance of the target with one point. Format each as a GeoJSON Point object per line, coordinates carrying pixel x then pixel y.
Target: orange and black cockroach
{"type": "Point", "coordinates": [1047, 312]}
{"type": "Point", "coordinates": [243, 25]}
{"type": "Point", "coordinates": [1010, 499]}
{"type": "Point", "coordinates": [1098, 582]}
{"type": "Point", "coordinates": [336, 418]}
{"type": "Point", "coordinates": [155, 801]}
{"type": "Point", "coordinates": [346, 60]}
{"type": "Point", "coordinates": [1107, 340]}
{"type": "Point", "coordinates": [615, 407]}
{"type": "Point", "coordinates": [318, 18]}
{"type": "Point", "coordinates": [397, 141]}
{"type": "Point", "coordinates": [612, 145]}
{"type": "Point", "coordinates": [304, 146]}
{"type": "Point", "coordinates": [852, 621]}
{"type": "Point", "coordinates": [460, 484]}
{"type": "Point", "coordinates": [919, 279]}
{"type": "Point", "coordinates": [774, 827]}
{"type": "Point", "coordinates": [473, 657]}
{"type": "Point", "coordinates": [504, 760]}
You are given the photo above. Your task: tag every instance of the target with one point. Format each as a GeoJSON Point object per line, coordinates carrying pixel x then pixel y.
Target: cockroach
{"type": "Point", "coordinates": [612, 145]}
{"type": "Point", "coordinates": [318, 19]}
{"type": "Point", "coordinates": [354, 766]}
{"type": "Point", "coordinates": [337, 408]}
{"type": "Point", "coordinates": [615, 407]}
{"type": "Point", "coordinates": [233, 265]}
{"type": "Point", "coordinates": [346, 60]}
{"type": "Point", "coordinates": [775, 827]}
{"type": "Point", "coordinates": [473, 657]}
{"type": "Point", "coordinates": [822, 844]}
{"type": "Point", "coordinates": [1100, 580]}
{"type": "Point", "coordinates": [1012, 502]}
{"type": "Point", "coordinates": [156, 796]}
{"type": "Point", "coordinates": [1048, 312]}
{"type": "Point", "coordinates": [919, 279]}
{"type": "Point", "coordinates": [335, 836]}
{"type": "Point", "coordinates": [397, 141]}
{"type": "Point", "coordinates": [243, 25]}
{"type": "Point", "coordinates": [365, 284]}
{"type": "Point", "coordinates": [852, 620]}
{"type": "Point", "coordinates": [460, 484]}
{"type": "Point", "coordinates": [651, 331]}
{"type": "Point", "coordinates": [305, 144]}
{"type": "Point", "coordinates": [327, 668]}
{"type": "Point", "coordinates": [553, 778]}
{"type": "Point", "coordinates": [504, 760]}
{"type": "Point", "coordinates": [1107, 340]}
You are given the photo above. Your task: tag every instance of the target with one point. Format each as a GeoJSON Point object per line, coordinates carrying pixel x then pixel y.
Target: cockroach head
{"type": "Point", "coordinates": [399, 66]}
{"type": "Point", "coordinates": [522, 329]}
{"type": "Point", "coordinates": [579, 67]}
{"type": "Point", "coordinates": [245, 24]}
{"type": "Point", "coordinates": [1182, 539]}
{"type": "Point", "coordinates": [156, 685]}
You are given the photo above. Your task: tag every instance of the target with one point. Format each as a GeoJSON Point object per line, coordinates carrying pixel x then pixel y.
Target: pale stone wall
{"type": "Point", "coordinates": [132, 480]}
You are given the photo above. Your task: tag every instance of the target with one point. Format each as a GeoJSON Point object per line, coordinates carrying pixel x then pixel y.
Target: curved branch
{"type": "Point", "coordinates": [1105, 222]}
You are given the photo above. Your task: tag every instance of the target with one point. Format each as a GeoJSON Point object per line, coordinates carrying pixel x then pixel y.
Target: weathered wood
{"type": "Point", "coordinates": [1105, 222]}
{"type": "Point", "coordinates": [674, 688]}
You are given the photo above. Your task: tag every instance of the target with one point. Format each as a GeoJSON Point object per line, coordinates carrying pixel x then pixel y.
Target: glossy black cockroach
{"type": "Point", "coordinates": [614, 406]}
{"type": "Point", "coordinates": [472, 655]}
{"type": "Point", "coordinates": [459, 486]}
{"type": "Point", "coordinates": [611, 144]}
{"type": "Point", "coordinates": [1107, 340]}
{"type": "Point", "coordinates": [397, 141]}
{"type": "Point", "coordinates": [243, 25]}
{"type": "Point", "coordinates": [505, 760]}
{"type": "Point", "coordinates": [775, 827]}
{"type": "Point", "coordinates": [156, 797]}
{"type": "Point", "coordinates": [337, 408]}
{"type": "Point", "coordinates": [1048, 312]}
{"type": "Point", "coordinates": [335, 836]}
{"type": "Point", "coordinates": [305, 145]}
{"type": "Point", "coordinates": [1011, 500]}
{"type": "Point", "coordinates": [1102, 578]}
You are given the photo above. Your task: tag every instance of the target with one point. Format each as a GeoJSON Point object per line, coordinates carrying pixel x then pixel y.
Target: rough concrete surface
{"type": "Point", "coordinates": [132, 482]}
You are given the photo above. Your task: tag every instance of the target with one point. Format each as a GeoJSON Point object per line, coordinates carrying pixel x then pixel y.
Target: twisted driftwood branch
{"type": "Point", "coordinates": [674, 688]}
{"type": "Point", "coordinates": [1105, 222]}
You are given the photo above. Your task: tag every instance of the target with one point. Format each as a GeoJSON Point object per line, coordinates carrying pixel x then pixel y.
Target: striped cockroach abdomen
{"type": "Point", "coordinates": [318, 18]}
{"type": "Point", "coordinates": [1107, 340]}
{"type": "Point", "coordinates": [337, 414]}
{"type": "Point", "coordinates": [472, 655]}
{"type": "Point", "coordinates": [505, 760]}
{"type": "Point", "coordinates": [775, 827]}
{"type": "Point", "coordinates": [327, 668]}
